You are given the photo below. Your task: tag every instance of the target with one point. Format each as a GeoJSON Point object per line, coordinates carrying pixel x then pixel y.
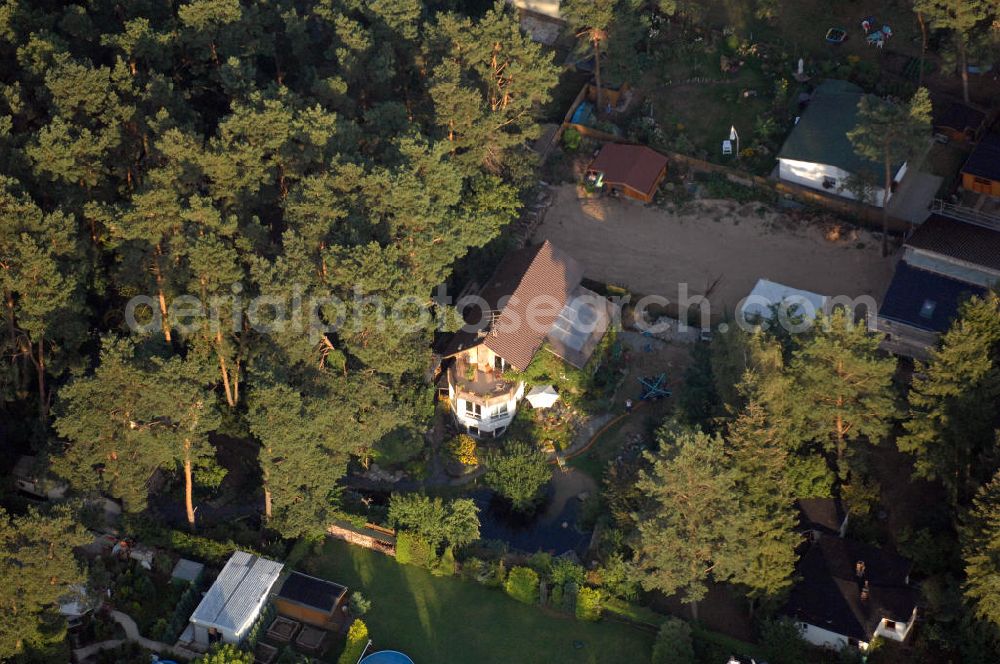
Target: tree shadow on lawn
{"type": "Point", "coordinates": [445, 619]}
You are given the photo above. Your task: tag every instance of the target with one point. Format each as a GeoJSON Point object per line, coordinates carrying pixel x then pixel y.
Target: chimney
{"type": "Point", "coordinates": [859, 569]}
{"type": "Point", "coordinates": [865, 592]}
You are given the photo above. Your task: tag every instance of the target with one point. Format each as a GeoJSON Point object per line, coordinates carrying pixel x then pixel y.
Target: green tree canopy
{"type": "Point", "coordinates": [37, 569]}
{"type": "Point", "coordinates": [954, 403]}
{"type": "Point", "coordinates": [518, 473]}
{"type": "Point", "coordinates": [890, 132]}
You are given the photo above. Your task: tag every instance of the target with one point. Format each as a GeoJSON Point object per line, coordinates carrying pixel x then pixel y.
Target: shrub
{"type": "Point", "coordinates": [541, 562]}
{"type": "Point", "coordinates": [462, 449]}
{"type": "Point", "coordinates": [566, 571]}
{"type": "Point", "coordinates": [571, 139]}
{"type": "Point", "coordinates": [673, 643]}
{"type": "Point", "coordinates": [357, 639]}
{"type": "Point", "coordinates": [226, 653]}
{"type": "Point", "coordinates": [360, 605]}
{"type": "Point", "coordinates": [556, 597]}
{"type": "Point", "coordinates": [588, 604]}
{"type": "Point", "coordinates": [411, 549]}
{"type": "Point", "coordinates": [518, 474]}
{"type": "Point", "coordinates": [782, 642]}
{"type": "Point", "coordinates": [445, 565]}
{"type": "Point", "coordinates": [522, 585]}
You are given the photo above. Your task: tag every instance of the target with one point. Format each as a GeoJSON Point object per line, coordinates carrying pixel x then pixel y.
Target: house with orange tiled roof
{"type": "Point", "coordinates": [534, 300]}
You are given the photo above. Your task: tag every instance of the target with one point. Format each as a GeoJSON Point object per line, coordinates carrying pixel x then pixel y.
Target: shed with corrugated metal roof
{"type": "Point", "coordinates": [233, 603]}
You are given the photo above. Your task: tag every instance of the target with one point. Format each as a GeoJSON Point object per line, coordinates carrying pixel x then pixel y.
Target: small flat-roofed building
{"type": "Point", "coordinates": [235, 600]}
{"type": "Point", "coordinates": [981, 172]}
{"type": "Point", "coordinates": [309, 599]}
{"type": "Point", "coordinates": [769, 298]}
{"type": "Point", "coordinates": [187, 571]}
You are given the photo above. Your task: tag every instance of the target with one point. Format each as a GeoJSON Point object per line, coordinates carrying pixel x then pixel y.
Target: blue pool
{"type": "Point", "coordinates": [387, 657]}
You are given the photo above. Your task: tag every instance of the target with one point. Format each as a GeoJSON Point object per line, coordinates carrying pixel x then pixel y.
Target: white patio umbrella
{"type": "Point", "coordinates": [542, 396]}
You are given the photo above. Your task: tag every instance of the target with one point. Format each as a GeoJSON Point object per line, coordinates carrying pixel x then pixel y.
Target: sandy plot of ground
{"type": "Point", "coordinates": [716, 247]}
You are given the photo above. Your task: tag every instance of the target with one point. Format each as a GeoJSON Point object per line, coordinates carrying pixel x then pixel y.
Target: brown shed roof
{"type": "Point", "coordinates": [959, 240]}
{"type": "Point", "coordinates": [540, 278]}
{"type": "Point", "coordinates": [635, 166]}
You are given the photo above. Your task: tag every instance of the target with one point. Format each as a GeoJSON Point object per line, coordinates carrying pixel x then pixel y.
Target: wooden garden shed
{"type": "Point", "coordinates": [981, 172]}
{"type": "Point", "coordinates": [634, 170]}
{"type": "Point", "coordinates": [309, 599]}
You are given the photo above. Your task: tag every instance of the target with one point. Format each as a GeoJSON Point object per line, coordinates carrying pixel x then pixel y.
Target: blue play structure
{"type": "Point", "coordinates": [654, 387]}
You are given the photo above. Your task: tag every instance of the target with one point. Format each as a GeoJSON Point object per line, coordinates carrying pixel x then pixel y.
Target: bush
{"type": "Point", "coordinates": [413, 550]}
{"type": "Point", "coordinates": [445, 565]}
{"type": "Point", "coordinates": [673, 643]}
{"type": "Point", "coordinates": [571, 139]}
{"type": "Point", "coordinates": [357, 639]}
{"type": "Point", "coordinates": [226, 653]}
{"type": "Point", "coordinates": [360, 605]}
{"type": "Point", "coordinates": [518, 474]}
{"type": "Point", "coordinates": [782, 642]}
{"type": "Point", "coordinates": [462, 449]}
{"type": "Point", "coordinates": [566, 571]}
{"type": "Point", "coordinates": [588, 604]}
{"type": "Point", "coordinates": [522, 585]}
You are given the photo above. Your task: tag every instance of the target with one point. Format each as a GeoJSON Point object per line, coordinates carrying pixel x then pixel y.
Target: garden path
{"type": "Point", "coordinates": [131, 634]}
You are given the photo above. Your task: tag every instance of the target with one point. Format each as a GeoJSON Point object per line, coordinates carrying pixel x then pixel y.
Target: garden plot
{"type": "Point", "coordinates": [718, 248]}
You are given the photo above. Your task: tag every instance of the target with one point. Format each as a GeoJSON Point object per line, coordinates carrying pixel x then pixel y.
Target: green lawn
{"type": "Point", "coordinates": [435, 619]}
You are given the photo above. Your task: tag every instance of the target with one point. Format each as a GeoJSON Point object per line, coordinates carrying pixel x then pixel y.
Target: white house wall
{"type": "Point", "coordinates": [899, 632]}
{"type": "Point", "coordinates": [810, 174]}
{"type": "Point", "coordinates": [824, 638]}
{"type": "Point", "coordinates": [488, 423]}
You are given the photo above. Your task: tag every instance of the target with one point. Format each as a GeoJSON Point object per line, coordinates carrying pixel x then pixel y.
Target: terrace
{"type": "Point", "coordinates": [485, 387]}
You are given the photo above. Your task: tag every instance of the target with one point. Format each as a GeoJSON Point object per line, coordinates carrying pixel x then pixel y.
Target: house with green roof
{"type": "Point", "coordinates": [818, 154]}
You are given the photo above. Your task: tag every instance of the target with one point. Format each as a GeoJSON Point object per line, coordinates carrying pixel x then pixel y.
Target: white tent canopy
{"type": "Point", "coordinates": [542, 396]}
{"type": "Point", "coordinates": [793, 301]}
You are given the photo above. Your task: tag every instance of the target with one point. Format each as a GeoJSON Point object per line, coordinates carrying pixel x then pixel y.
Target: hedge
{"type": "Point", "coordinates": [357, 639]}
{"type": "Point", "coordinates": [522, 585]}
{"type": "Point", "coordinates": [413, 550]}
{"type": "Point", "coordinates": [588, 604]}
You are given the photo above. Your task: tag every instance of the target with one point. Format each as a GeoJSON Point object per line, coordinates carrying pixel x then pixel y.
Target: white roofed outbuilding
{"type": "Point", "coordinates": [791, 302]}
{"type": "Point", "coordinates": [231, 606]}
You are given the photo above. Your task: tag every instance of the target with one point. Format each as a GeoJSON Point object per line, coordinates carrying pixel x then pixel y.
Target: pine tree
{"type": "Point", "coordinates": [963, 18]}
{"type": "Point", "coordinates": [590, 21]}
{"type": "Point", "coordinates": [136, 414]}
{"type": "Point", "coordinates": [981, 552]}
{"type": "Point", "coordinates": [954, 403]}
{"type": "Point", "coordinates": [766, 496]}
{"type": "Point", "coordinates": [889, 133]}
{"type": "Point", "coordinates": [41, 281]}
{"type": "Point", "coordinates": [683, 534]}
{"type": "Point", "coordinates": [37, 569]}
{"type": "Point", "coordinates": [842, 386]}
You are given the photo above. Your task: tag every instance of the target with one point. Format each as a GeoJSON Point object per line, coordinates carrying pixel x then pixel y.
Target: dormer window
{"type": "Point", "coordinates": [927, 309]}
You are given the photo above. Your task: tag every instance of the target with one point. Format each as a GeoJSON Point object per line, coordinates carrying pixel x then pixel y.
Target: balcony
{"type": "Point", "coordinates": [479, 386]}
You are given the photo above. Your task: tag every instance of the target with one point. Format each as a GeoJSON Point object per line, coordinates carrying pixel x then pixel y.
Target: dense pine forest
{"type": "Point", "coordinates": [230, 150]}
{"type": "Point", "coordinates": [233, 150]}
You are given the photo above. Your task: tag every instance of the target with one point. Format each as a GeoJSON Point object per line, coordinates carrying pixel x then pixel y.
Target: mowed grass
{"type": "Point", "coordinates": [435, 619]}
